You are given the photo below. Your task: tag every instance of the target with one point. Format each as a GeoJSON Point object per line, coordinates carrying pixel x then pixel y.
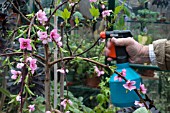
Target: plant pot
{"type": "Point", "coordinates": [93, 81]}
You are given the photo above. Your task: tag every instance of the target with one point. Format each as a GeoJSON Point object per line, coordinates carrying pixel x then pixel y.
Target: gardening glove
{"type": "Point", "coordinates": [138, 53]}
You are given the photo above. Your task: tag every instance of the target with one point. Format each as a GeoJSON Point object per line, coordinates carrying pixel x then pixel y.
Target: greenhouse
{"type": "Point", "coordinates": [84, 56]}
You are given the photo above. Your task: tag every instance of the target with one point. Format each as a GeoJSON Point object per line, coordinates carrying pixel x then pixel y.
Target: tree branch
{"type": "Point", "coordinates": [71, 58]}
{"type": "Point", "coordinates": [20, 53]}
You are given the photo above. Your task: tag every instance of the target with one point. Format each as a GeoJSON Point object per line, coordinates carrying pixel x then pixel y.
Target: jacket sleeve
{"type": "Point", "coordinates": [162, 52]}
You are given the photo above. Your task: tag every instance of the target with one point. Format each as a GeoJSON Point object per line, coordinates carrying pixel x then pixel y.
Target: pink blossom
{"type": "Point", "coordinates": [59, 44]}
{"type": "Point", "coordinates": [48, 112]}
{"type": "Point", "coordinates": [20, 79]}
{"type": "Point", "coordinates": [106, 13]}
{"type": "Point", "coordinates": [62, 70]}
{"type": "Point", "coordinates": [54, 35]}
{"type": "Point", "coordinates": [123, 72]}
{"type": "Point", "coordinates": [65, 102]}
{"type": "Point", "coordinates": [31, 108]}
{"type": "Point", "coordinates": [43, 37]}
{"type": "Point", "coordinates": [129, 85]}
{"type": "Point", "coordinates": [14, 77]}
{"type": "Point", "coordinates": [20, 65]}
{"type": "Point", "coordinates": [18, 98]}
{"type": "Point", "coordinates": [143, 89]}
{"type": "Point", "coordinates": [119, 78]}
{"type": "Point", "coordinates": [28, 59]}
{"type": "Point", "coordinates": [72, 4]}
{"type": "Point", "coordinates": [139, 103]}
{"type": "Point", "coordinates": [41, 16]}
{"type": "Point", "coordinates": [15, 74]}
{"type": "Point", "coordinates": [99, 73]}
{"type": "Point", "coordinates": [25, 43]}
{"type": "Point", "coordinates": [33, 65]}
{"type": "Point", "coordinates": [67, 112]}
{"type": "Point", "coordinates": [92, 1]}
{"type": "Point", "coordinates": [103, 6]}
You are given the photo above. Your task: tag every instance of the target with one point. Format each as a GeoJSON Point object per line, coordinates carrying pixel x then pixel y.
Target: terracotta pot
{"type": "Point", "coordinates": [93, 81]}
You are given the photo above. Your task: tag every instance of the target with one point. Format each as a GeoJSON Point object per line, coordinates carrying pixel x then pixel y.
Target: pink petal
{"type": "Point", "coordinates": [44, 41]}
{"type": "Point", "coordinates": [59, 44]}
{"type": "Point", "coordinates": [101, 72]}
{"type": "Point", "coordinates": [133, 82]}
{"type": "Point", "coordinates": [96, 69]}
{"type": "Point", "coordinates": [48, 112]}
{"type": "Point", "coordinates": [61, 71]}
{"type": "Point", "coordinates": [14, 72]}
{"type": "Point", "coordinates": [29, 47]}
{"type": "Point", "coordinates": [70, 102]}
{"type": "Point", "coordinates": [14, 77]}
{"type": "Point", "coordinates": [132, 87]}
{"type": "Point", "coordinates": [18, 98]}
{"type": "Point", "coordinates": [20, 65]}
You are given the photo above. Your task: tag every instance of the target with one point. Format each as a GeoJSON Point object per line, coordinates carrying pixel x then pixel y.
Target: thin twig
{"type": "Point", "coordinates": [20, 53]}
{"type": "Point", "coordinates": [30, 26]}
{"type": "Point", "coordinates": [67, 43]}
{"type": "Point", "coordinates": [71, 58]}
{"type": "Point", "coordinates": [39, 4]}
{"type": "Point", "coordinates": [72, 10]}
{"type": "Point", "coordinates": [19, 11]}
{"type": "Point", "coordinates": [56, 10]}
{"type": "Point", "coordinates": [89, 48]}
{"type": "Point", "coordinates": [24, 74]}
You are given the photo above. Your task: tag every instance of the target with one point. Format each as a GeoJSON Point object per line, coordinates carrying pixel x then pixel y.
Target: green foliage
{"type": "Point", "coordinates": [103, 98]}
{"type": "Point", "coordinates": [63, 14]}
{"type": "Point", "coordinates": [94, 12]}
{"type": "Point", "coordinates": [5, 92]}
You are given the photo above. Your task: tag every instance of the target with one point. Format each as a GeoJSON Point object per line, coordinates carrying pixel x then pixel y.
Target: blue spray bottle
{"type": "Point", "coordinates": [119, 95]}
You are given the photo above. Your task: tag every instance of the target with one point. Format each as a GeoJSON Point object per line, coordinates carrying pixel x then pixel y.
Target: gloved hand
{"type": "Point", "coordinates": [138, 53]}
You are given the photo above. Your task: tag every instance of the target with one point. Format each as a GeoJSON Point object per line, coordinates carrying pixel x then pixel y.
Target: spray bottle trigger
{"type": "Point", "coordinates": [112, 53]}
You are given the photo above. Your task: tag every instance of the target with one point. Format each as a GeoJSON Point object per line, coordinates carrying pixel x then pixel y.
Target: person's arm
{"type": "Point", "coordinates": [162, 53]}
{"type": "Point", "coordinates": [156, 53]}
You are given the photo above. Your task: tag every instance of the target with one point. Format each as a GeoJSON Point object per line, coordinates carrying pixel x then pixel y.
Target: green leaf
{"type": "Point", "coordinates": [13, 100]}
{"type": "Point", "coordinates": [141, 110]}
{"type": "Point", "coordinates": [41, 28]}
{"type": "Point", "coordinates": [21, 34]}
{"type": "Point", "coordinates": [30, 15]}
{"type": "Point", "coordinates": [58, 13]}
{"type": "Point", "coordinates": [76, 20]}
{"type": "Point", "coordinates": [118, 9]}
{"type": "Point", "coordinates": [94, 12]}
{"type": "Point", "coordinates": [9, 63]}
{"type": "Point", "coordinates": [29, 91]}
{"type": "Point", "coordinates": [63, 50]}
{"type": "Point", "coordinates": [66, 14]}
{"type": "Point", "coordinates": [100, 98]}
{"type": "Point", "coordinates": [121, 21]}
{"type": "Point", "coordinates": [5, 61]}
{"type": "Point", "coordinates": [33, 46]}
{"type": "Point", "coordinates": [5, 92]}
{"type": "Point", "coordinates": [126, 11]}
